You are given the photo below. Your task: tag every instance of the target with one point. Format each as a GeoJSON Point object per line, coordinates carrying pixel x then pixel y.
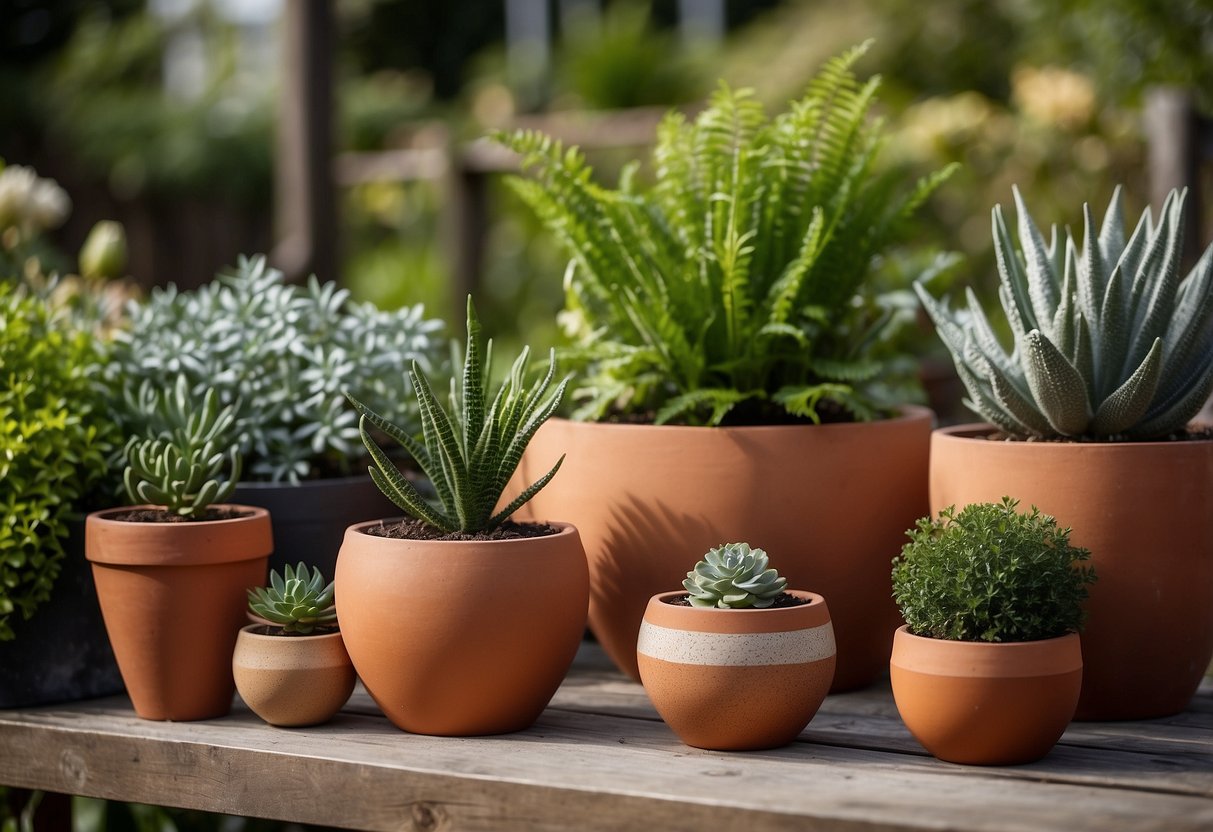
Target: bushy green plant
{"type": "Point", "coordinates": [283, 355]}
{"type": "Point", "coordinates": [180, 466]}
{"type": "Point", "coordinates": [298, 601]}
{"type": "Point", "coordinates": [734, 576]}
{"type": "Point", "coordinates": [992, 574]}
{"type": "Point", "coordinates": [1108, 340]}
{"type": "Point", "coordinates": [55, 436]}
{"type": "Point", "coordinates": [735, 283]}
{"type": "Point", "coordinates": [470, 452]}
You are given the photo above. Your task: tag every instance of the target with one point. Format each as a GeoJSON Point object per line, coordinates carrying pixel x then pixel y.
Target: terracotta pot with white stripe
{"type": "Point", "coordinates": [736, 679]}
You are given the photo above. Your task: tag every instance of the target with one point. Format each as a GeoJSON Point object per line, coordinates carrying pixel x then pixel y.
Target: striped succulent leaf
{"type": "Point", "coordinates": [470, 451]}
{"type": "Point", "coordinates": [1108, 340]}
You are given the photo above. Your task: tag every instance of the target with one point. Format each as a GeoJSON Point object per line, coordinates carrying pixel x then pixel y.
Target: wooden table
{"type": "Point", "coordinates": [600, 759]}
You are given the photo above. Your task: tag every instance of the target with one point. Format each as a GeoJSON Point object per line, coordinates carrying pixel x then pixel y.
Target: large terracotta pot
{"type": "Point", "coordinates": [173, 597]}
{"type": "Point", "coordinates": [829, 503]}
{"type": "Point", "coordinates": [736, 680]}
{"type": "Point", "coordinates": [1145, 510]}
{"type": "Point", "coordinates": [462, 638]}
{"type": "Point", "coordinates": [292, 680]}
{"type": "Point", "coordinates": [986, 704]}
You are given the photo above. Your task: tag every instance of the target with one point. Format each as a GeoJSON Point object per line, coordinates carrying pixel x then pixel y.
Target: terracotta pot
{"type": "Point", "coordinates": [829, 503]}
{"type": "Point", "coordinates": [173, 599]}
{"type": "Point", "coordinates": [736, 680]}
{"type": "Point", "coordinates": [461, 638]}
{"type": "Point", "coordinates": [292, 680]}
{"type": "Point", "coordinates": [986, 704]}
{"type": "Point", "coordinates": [1143, 510]}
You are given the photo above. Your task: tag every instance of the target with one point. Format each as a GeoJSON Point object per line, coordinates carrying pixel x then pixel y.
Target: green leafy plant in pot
{"type": "Point", "coordinates": [174, 645]}
{"type": "Point", "coordinates": [293, 669]}
{"type": "Point", "coordinates": [55, 437]}
{"type": "Point", "coordinates": [988, 668]}
{"type": "Point", "coordinates": [282, 356]}
{"type": "Point", "coordinates": [1110, 357]}
{"type": "Point", "coordinates": [478, 662]}
{"type": "Point", "coordinates": [726, 315]}
{"type": "Point", "coordinates": [736, 661]}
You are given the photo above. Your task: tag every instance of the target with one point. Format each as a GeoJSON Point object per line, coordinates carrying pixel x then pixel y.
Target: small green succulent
{"type": "Point", "coordinates": [298, 601]}
{"type": "Point", "coordinates": [734, 576]}
{"type": "Point", "coordinates": [471, 452]}
{"type": "Point", "coordinates": [180, 464]}
{"type": "Point", "coordinates": [991, 573]}
{"type": "Point", "coordinates": [1108, 341]}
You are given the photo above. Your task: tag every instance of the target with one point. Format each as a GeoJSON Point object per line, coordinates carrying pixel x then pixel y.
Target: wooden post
{"type": "Point", "coordinates": [305, 210]}
{"type": "Point", "coordinates": [466, 225]}
{"type": "Point", "coordinates": [1175, 148]}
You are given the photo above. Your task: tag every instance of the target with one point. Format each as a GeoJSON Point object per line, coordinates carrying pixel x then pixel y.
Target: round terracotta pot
{"type": "Point", "coordinates": [829, 503]}
{"type": "Point", "coordinates": [173, 597]}
{"type": "Point", "coordinates": [736, 680]}
{"type": "Point", "coordinates": [986, 704]}
{"type": "Point", "coordinates": [462, 638]}
{"type": "Point", "coordinates": [292, 680]}
{"type": "Point", "coordinates": [1143, 510]}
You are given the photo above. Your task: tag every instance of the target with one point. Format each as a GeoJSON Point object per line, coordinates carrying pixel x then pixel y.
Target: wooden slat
{"type": "Point", "coordinates": [600, 759]}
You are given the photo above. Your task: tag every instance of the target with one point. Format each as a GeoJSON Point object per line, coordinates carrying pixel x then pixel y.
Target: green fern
{"type": "Point", "coordinates": [740, 272]}
{"type": "Point", "coordinates": [471, 452]}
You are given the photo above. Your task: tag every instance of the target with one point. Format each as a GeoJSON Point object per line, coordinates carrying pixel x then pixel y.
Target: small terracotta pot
{"type": "Point", "coordinates": [648, 500]}
{"type": "Point", "coordinates": [173, 597]}
{"type": "Point", "coordinates": [462, 638]}
{"type": "Point", "coordinates": [1143, 510]}
{"type": "Point", "coordinates": [292, 680]}
{"type": "Point", "coordinates": [736, 680]}
{"type": "Point", "coordinates": [986, 704]}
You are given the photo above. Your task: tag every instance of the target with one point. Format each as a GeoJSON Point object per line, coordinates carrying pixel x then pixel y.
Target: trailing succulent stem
{"type": "Point", "coordinates": [990, 573]}
{"type": "Point", "coordinates": [733, 576]}
{"type": "Point", "coordinates": [740, 279]}
{"type": "Point", "coordinates": [471, 451]}
{"type": "Point", "coordinates": [180, 466]}
{"type": "Point", "coordinates": [298, 601]}
{"type": "Point", "coordinates": [1108, 341]}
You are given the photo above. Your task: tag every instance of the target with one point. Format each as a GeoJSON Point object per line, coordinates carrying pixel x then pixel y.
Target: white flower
{"type": "Point", "coordinates": [29, 202]}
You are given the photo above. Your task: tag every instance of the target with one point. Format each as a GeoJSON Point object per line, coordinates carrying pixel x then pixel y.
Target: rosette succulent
{"type": "Point", "coordinates": [180, 466]}
{"type": "Point", "coordinates": [1108, 341]}
{"type": "Point", "coordinates": [298, 600]}
{"type": "Point", "coordinates": [734, 576]}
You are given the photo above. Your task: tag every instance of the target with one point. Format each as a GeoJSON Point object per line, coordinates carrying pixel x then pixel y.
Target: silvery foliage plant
{"type": "Point", "coordinates": [284, 355]}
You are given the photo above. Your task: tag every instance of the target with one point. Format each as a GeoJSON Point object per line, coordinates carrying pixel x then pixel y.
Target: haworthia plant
{"type": "Point", "coordinates": [470, 452]}
{"type": "Point", "coordinates": [1109, 342]}
{"type": "Point", "coordinates": [734, 576]}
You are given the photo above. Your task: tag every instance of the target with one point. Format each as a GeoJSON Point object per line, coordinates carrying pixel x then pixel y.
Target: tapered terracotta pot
{"type": "Point", "coordinates": [830, 503]}
{"type": "Point", "coordinates": [173, 599]}
{"type": "Point", "coordinates": [462, 638]}
{"type": "Point", "coordinates": [292, 680]}
{"type": "Point", "coordinates": [1145, 510]}
{"type": "Point", "coordinates": [736, 680]}
{"type": "Point", "coordinates": [986, 704]}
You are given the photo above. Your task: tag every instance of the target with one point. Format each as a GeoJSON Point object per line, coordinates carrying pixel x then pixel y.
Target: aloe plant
{"type": "Point", "coordinates": [1108, 340]}
{"type": "Point", "coordinates": [737, 286]}
{"type": "Point", "coordinates": [734, 576]}
{"type": "Point", "coordinates": [471, 451]}
{"type": "Point", "coordinates": [180, 465]}
{"type": "Point", "coordinates": [298, 600]}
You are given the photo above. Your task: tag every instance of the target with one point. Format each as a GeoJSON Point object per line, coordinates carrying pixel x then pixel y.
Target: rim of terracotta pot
{"type": "Point", "coordinates": [905, 413]}
{"type": "Point", "coordinates": [176, 544]}
{"type": "Point", "coordinates": [247, 630]}
{"type": "Point", "coordinates": [563, 530]}
{"type": "Point", "coordinates": [950, 657]}
{"type": "Point", "coordinates": [974, 430]}
{"type": "Point", "coordinates": [708, 619]}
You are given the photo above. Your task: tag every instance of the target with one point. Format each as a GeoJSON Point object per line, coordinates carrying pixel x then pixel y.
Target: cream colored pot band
{"type": "Point", "coordinates": [736, 649]}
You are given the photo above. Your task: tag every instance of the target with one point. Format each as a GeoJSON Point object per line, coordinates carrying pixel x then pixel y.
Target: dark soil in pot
{"type": "Point", "coordinates": [411, 529]}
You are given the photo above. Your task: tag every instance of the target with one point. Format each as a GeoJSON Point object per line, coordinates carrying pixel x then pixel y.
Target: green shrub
{"type": "Point", "coordinates": [990, 573]}
{"type": "Point", "coordinates": [54, 441]}
{"type": "Point", "coordinates": [737, 284]}
{"type": "Point", "coordinates": [471, 452]}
